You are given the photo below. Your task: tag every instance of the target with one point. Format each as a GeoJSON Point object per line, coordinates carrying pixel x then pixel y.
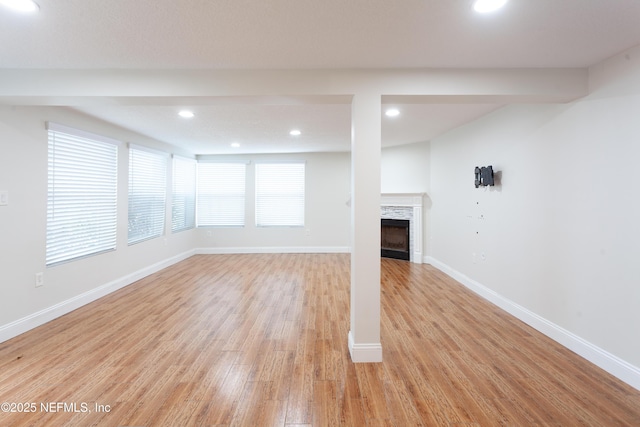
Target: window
{"type": "Point", "coordinates": [221, 189]}
{"type": "Point", "coordinates": [147, 193]}
{"type": "Point", "coordinates": [82, 194]}
{"type": "Point", "coordinates": [280, 194]}
{"type": "Point", "coordinates": [183, 205]}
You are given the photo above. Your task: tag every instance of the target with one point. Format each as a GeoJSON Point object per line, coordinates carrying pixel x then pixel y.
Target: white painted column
{"type": "Point", "coordinates": [364, 336]}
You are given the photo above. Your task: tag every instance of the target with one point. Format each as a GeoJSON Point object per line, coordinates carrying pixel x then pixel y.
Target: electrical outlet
{"type": "Point", "coordinates": [4, 198]}
{"type": "Point", "coordinates": [39, 280]}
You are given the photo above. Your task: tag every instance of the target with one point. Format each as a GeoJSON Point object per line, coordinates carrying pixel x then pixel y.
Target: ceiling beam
{"type": "Point", "coordinates": [166, 87]}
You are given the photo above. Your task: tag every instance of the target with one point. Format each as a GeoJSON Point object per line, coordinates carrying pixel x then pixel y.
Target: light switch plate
{"type": "Point", "coordinates": [4, 198]}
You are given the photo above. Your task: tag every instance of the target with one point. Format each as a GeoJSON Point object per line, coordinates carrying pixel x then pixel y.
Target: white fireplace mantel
{"type": "Point", "coordinates": [402, 199]}
{"type": "Point", "coordinates": [414, 201]}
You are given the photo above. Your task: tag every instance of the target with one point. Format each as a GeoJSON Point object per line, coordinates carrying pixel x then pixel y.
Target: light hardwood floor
{"type": "Point", "coordinates": [261, 340]}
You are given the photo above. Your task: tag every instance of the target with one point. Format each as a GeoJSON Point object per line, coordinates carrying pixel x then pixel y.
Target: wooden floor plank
{"type": "Point", "coordinates": [244, 340]}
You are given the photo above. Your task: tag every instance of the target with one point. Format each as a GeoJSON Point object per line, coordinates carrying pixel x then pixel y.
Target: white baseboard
{"type": "Point", "coordinates": [612, 364]}
{"type": "Point", "coordinates": [41, 317]}
{"type": "Point", "coordinates": [364, 353]}
{"type": "Point", "coordinates": [20, 326]}
{"type": "Point", "coordinates": [274, 250]}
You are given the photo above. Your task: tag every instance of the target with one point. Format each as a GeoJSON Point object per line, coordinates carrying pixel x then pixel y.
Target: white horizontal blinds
{"type": "Point", "coordinates": [147, 194]}
{"type": "Point", "coordinates": [183, 204]}
{"type": "Point", "coordinates": [221, 194]}
{"type": "Point", "coordinates": [280, 194]}
{"type": "Point", "coordinates": [81, 196]}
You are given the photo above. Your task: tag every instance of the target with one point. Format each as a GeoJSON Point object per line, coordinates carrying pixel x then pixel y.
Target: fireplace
{"type": "Point", "coordinates": [394, 238]}
{"type": "Point", "coordinates": [408, 207]}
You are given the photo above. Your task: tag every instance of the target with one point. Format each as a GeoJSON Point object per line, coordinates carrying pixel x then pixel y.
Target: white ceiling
{"type": "Point", "coordinates": [305, 34]}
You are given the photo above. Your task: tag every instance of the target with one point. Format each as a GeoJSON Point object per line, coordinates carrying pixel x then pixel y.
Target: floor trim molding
{"type": "Point", "coordinates": [612, 364]}
{"type": "Point", "coordinates": [364, 353]}
{"type": "Point", "coordinates": [273, 250]}
{"type": "Point", "coordinates": [32, 321]}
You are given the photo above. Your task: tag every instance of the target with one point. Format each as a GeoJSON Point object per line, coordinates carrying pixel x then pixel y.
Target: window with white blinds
{"type": "Point", "coordinates": [147, 194]}
{"type": "Point", "coordinates": [82, 194]}
{"type": "Point", "coordinates": [221, 194]}
{"type": "Point", "coordinates": [183, 204]}
{"type": "Point", "coordinates": [280, 194]}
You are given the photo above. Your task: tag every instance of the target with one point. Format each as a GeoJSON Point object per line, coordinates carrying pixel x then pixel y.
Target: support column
{"type": "Point", "coordinates": [366, 138]}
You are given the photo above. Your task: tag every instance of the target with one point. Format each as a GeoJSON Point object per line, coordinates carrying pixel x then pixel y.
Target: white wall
{"type": "Point", "coordinates": [23, 172]}
{"type": "Point", "coordinates": [407, 169]}
{"type": "Point", "coordinates": [560, 234]}
{"type": "Point", "coordinates": [327, 220]}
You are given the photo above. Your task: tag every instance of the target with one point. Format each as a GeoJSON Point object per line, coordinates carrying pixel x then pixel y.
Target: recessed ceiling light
{"type": "Point", "coordinates": [235, 144]}
{"type": "Point", "coordinates": [392, 112]}
{"type": "Point", "coordinates": [295, 132]}
{"type": "Point", "coordinates": [21, 5]}
{"type": "Point", "coordinates": [486, 6]}
{"type": "Point", "coordinates": [186, 114]}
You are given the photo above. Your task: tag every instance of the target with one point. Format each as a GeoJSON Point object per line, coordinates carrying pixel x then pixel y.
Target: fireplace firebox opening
{"type": "Point", "coordinates": [394, 238]}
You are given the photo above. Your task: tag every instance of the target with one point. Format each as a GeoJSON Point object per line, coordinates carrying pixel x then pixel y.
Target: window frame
{"type": "Point", "coordinates": [295, 198]}
{"type": "Point", "coordinates": [153, 219]}
{"type": "Point", "coordinates": [82, 194]}
{"type": "Point", "coordinates": [210, 195]}
{"type": "Point", "coordinates": [183, 195]}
